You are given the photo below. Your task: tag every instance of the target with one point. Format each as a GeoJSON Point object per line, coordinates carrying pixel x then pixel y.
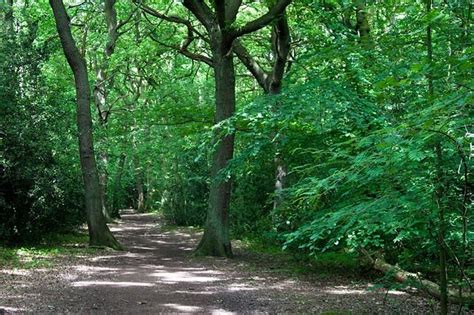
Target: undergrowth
{"type": "Point", "coordinates": [45, 253]}
{"type": "Point", "coordinates": [324, 264]}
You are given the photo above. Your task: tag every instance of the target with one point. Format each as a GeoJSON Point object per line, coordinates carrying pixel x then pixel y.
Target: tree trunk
{"type": "Point", "coordinates": [99, 233]}
{"type": "Point", "coordinates": [442, 252]}
{"type": "Point", "coordinates": [118, 187]}
{"type": "Point", "coordinates": [440, 189]}
{"type": "Point", "coordinates": [139, 184]}
{"type": "Point", "coordinates": [103, 184]}
{"type": "Point", "coordinates": [281, 48]}
{"type": "Point", "coordinates": [101, 94]}
{"type": "Point", "coordinates": [216, 241]}
{"type": "Point", "coordinates": [362, 26]}
{"type": "Point", "coordinates": [430, 287]}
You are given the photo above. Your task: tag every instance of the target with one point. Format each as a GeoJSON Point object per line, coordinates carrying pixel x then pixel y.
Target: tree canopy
{"type": "Point", "coordinates": [316, 125]}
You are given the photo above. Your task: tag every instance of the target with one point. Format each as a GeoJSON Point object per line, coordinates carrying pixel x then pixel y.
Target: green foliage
{"type": "Point", "coordinates": [46, 253]}
{"type": "Point", "coordinates": [184, 197]}
{"type": "Point", "coordinates": [374, 154]}
{"type": "Point", "coordinates": [39, 171]}
{"type": "Point", "coordinates": [360, 133]}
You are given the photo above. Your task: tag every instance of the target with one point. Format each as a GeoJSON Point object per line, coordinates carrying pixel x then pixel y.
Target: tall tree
{"type": "Point", "coordinates": [99, 233]}
{"type": "Point", "coordinates": [103, 84]}
{"type": "Point", "coordinates": [221, 32]}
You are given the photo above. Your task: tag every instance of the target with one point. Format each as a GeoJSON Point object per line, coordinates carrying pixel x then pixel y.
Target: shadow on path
{"type": "Point", "coordinates": [158, 274]}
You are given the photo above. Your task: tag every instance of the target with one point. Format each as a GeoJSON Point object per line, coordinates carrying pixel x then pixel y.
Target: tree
{"type": "Point", "coordinates": [99, 233]}
{"type": "Point", "coordinates": [102, 87]}
{"type": "Point", "coordinates": [270, 82]}
{"type": "Point", "coordinates": [218, 23]}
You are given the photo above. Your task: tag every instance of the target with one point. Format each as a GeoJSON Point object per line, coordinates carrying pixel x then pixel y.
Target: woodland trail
{"type": "Point", "coordinates": [158, 274]}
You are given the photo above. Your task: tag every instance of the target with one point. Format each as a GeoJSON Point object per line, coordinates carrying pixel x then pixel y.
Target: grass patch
{"type": "Point", "coordinates": [336, 262]}
{"type": "Point", "coordinates": [46, 253]}
{"type": "Point", "coordinates": [70, 239]}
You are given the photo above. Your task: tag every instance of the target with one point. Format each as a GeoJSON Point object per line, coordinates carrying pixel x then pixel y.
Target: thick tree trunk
{"type": "Point", "coordinates": [99, 233]}
{"type": "Point", "coordinates": [216, 241]}
{"type": "Point", "coordinates": [218, 25]}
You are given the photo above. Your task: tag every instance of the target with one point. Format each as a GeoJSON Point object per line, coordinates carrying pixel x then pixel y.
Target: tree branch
{"type": "Point", "coordinates": [220, 13]}
{"type": "Point", "coordinates": [125, 22]}
{"type": "Point", "coordinates": [252, 66]}
{"type": "Point", "coordinates": [155, 13]}
{"type": "Point", "coordinates": [202, 12]}
{"type": "Point", "coordinates": [184, 50]}
{"type": "Point", "coordinates": [232, 8]}
{"type": "Point", "coordinates": [281, 49]}
{"type": "Point", "coordinates": [178, 20]}
{"type": "Point", "coordinates": [252, 26]}
{"type": "Point", "coordinates": [270, 82]}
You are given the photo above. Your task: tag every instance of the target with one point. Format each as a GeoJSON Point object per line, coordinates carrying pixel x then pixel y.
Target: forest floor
{"type": "Point", "coordinates": [158, 274]}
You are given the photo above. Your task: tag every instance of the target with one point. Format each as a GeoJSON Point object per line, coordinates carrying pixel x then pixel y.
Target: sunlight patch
{"type": "Point", "coordinates": [182, 308]}
{"type": "Point", "coordinates": [222, 312]}
{"type": "Point", "coordinates": [93, 268]}
{"type": "Point", "coordinates": [112, 284]}
{"type": "Point", "coordinates": [15, 272]}
{"type": "Point", "coordinates": [183, 276]}
{"type": "Point", "coordinates": [142, 247]}
{"type": "Point", "coordinates": [240, 287]}
{"type": "Point", "coordinates": [6, 309]}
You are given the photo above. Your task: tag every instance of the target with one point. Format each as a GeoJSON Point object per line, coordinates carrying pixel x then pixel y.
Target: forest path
{"type": "Point", "coordinates": [158, 274]}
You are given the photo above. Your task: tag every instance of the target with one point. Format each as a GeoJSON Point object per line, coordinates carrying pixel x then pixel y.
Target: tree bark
{"type": "Point", "coordinates": [216, 241]}
{"type": "Point", "coordinates": [362, 26]}
{"type": "Point", "coordinates": [281, 48]}
{"type": "Point", "coordinates": [139, 184]}
{"type": "Point", "coordinates": [99, 233]}
{"type": "Point", "coordinates": [101, 88]}
{"type": "Point", "coordinates": [218, 25]}
{"type": "Point", "coordinates": [103, 184]}
{"type": "Point", "coordinates": [430, 287]}
{"type": "Point", "coordinates": [118, 187]}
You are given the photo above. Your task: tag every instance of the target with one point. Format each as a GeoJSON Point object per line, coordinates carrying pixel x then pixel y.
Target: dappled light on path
{"type": "Point", "coordinates": [157, 273]}
{"type": "Point", "coordinates": [111, 284]}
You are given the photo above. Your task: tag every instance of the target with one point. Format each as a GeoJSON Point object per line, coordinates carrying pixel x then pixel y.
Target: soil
{"type": "Point", "coordinates": [158, 274]}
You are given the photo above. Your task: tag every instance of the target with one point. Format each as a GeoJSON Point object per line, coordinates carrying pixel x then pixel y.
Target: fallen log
{"type": "Point", "coordinates": [428, 286]}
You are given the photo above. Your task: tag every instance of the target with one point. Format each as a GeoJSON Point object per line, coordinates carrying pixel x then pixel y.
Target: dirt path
{"type": "Point", "coordinates": [158, 275]}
